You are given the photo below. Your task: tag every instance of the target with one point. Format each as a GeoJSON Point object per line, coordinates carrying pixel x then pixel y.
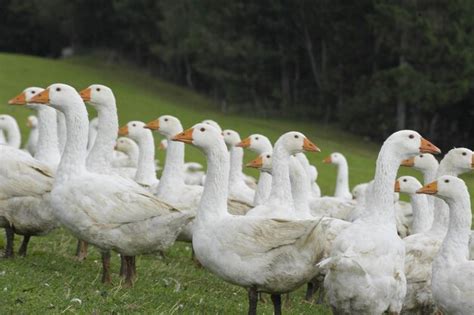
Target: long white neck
{"type": "Point", "coordinates": [422, 214]}
{"type": "Point", "coordinates": [236, 157]}
{"type": "Point", "coordinates": [47, 150]}
{"type": "Point", "coordinates": [281, 187]}
{"type": "Point", "coordinates": [133, 154]}
{"type": "Point", "coordinates": [213, 204]}
{"type": "Point", "coordinates": [73, 160]}
{"type": "Point", "coordinates": [14, 136]}
{"type": "Point", "coordinates": [342, 184]}
{"type": "Point", "coordinates": [429, 175]}
{"type": "Point", "coordinates": [32, 141]}
{"type": "Point", "coordinates": [91, 136]}
{"type": "Point", "coordinates": [441, 209]}
{"type": "Point", "coordinates": [380, 205]}
{"type": "Point", "coordinates": [300, 188]}
{"type": "Point", "coordinates": [264, 187]}
{"type": "Point", "coordinates": [455, 247]}
{"type": "Point", "coordinates": [146, 172]}
{"type": "Point", "coordinates": [173, 172]}
{"type": "Point", "coordinates": [2, 137]}
{"type": "Point", "coordinates": [100, 157]}
{"type": "Point", "coordinates": [61, 127]}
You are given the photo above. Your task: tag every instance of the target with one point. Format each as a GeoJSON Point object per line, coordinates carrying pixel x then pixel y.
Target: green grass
{"type": "Point", "coordinates": [49, 279]}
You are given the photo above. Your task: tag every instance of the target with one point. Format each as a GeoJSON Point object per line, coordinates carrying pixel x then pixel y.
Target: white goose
{"type": "Point", "coordinates": [238, 189]}
{"type": "Point", "coordinates": [26, 182]}
{"type": "Point", "coordinates": [31, 143]}
{"type": "Point", "coordinates": [422, 213]}
{"type": "Point", "coordinates": [9, 126]}
{"type": "Point", "coordinates": [92, 135]}
{"type": "Point", "coordinates": [146, 171]}
{"type": "Point", "coordinates": [130, 149]}
{"type": "Point", "coordinates": [421, 248]}
{"type": "Point", "coordinates": [108, 211]}
{"type": "Point", "coordinates": [260, 254]}
{"type": "Point", "coordinates": [342, 182]}
{"type": "Point", "coordinates": [365, 271]}
{"type": "Point", "coordinates": [453, 272]}
{"type": "Point", "coordinates": [259, 144]}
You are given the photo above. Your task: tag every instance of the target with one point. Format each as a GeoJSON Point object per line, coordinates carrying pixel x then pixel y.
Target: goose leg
{"type": "Point", "coordinates": [133, 267]}
{"type": "Point", "coordinates": [253, 299]}
{"type": "Point", "coordinates": [106, 267]}
{"type": "Point", "coordinates": [276, 299]}
{"type": "Point", "coordinates": [24, 245]}
{"type": "Point", "coordinates": [10, 235]}
{"type": "Point", "coordinates": [309, 291]}
{"type": "Point", "coordinates": [321, 294]}
{"type": "Point", "coordinates": [129, 266]}
{"type": "Point", "coordinates": [81, 250]}
{"type": "Point", "coordinates": [123, 266]}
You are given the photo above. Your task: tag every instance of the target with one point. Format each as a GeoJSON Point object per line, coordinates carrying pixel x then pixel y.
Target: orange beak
{"type": "Point", "coordinates": [397, 186]}
{"type": "Point", "coordinates": [430, 189]}
{"type": "Point", "coordinates": [309, 146]}
{"type": "Point", "coordinates": [41, 98]}
{"type": "Point", "coordinates": [408, 162]}
{"type": "Point", "coordinates": [256, 163]}
{"type": "Point", "coordinates": [327, 160]}
{"type": "Point", "coordinates": [428, 147]}
{"type": "Point", "coordinates": [153, 125]}
{"type": "Point", "coordinates": [20, 99]}
{"type": "Point", "coordinates": [123, 131]}
{"type": "Point", "coordinates": [244, 143]}
{"type": "Point", "coordinates": [185, 136]}
{"type": "Point", "coordinates": [85, 95]}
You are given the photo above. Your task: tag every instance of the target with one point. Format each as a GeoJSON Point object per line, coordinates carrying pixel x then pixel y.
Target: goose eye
{"type": "Point", "coordinates": [296, 136]}
{"type": "Point", "coordinates": [228, 133]}
{"type": "Point", "coordinates": [446, 180]}
{"type": "Point", "coordinates": [98, 89]}
{"type": "Point", "coordinates": [411, 136]}
{"type": "Point", "coordinates": [464, 153]}
{"type": "Point", "coordinates": [405, 180]}
{"type": "Point", "coordinates": [134, 125]}
{"type": "Point", "coordinates": [166, 119]}
{"type": "Point", "coordinates": [256, 138]}
{"type": "Point", "coordinates": [421, 156]}
{"type": "Point", "coordinates": [58, 89]}
{"type": "Point", "coordinates": [33, 92]}
{"type": "Point", "coordinates": [268, 156]}
{"type": "Point", "coordinates": [202, 129]}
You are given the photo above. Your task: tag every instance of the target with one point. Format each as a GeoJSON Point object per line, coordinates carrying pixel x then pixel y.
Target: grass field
{"type": "Point", "coordinates": [50, 280]}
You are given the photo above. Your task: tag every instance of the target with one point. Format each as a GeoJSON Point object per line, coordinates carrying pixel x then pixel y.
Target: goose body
{"type": "Point", "coordinates": [365, 270]}
{"type": "Point", "coordinates": [342, 182]}
{"type": "Point", "coordinates": [453, 272]}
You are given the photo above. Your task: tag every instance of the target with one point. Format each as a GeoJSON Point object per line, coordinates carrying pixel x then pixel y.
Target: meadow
{"type": "Point", "coordinates": [50, 280]}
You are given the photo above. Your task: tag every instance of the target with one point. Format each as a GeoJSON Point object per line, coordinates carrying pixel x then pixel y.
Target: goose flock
{"type": "Point", "coordinates": [364, 251]}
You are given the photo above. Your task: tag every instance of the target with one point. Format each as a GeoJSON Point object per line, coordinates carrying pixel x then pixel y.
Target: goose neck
{"type": "Point", "coordinates": [101, 154]}
{"type": "Point", "coordinates": [455, 247]}
{"type": "Point", "coordinates": [342, 184]}
{"type": "Point", "coordinates": [47, 150]}
{"type": "Point", "coordinates": [264, 187]}
{"type": "Point", "coordinates": [61, 128]}
{"type": "Point", "coordinates": [173, 172]}
{"type": "Point", "coordinates": [281, 187]}
{"type": "Point", "coordinates": [213, 204]}
{"type": "Point", "coordinates": [13, 135]}
{"type": "Point", "coordinates": [422, 213]}
{"type": "Point", "coordinates": [133, 154]}
{"type": "Point", "coordinates": [300, 188]}
{"type": "Point", "coordinates": [146, 172]}
{"type": "Point", "coordinates": [236, 157]}
{"type": "Point", "coordinates": [73, 160]}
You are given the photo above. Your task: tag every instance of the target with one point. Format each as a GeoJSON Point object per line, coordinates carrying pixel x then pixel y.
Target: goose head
{"type": "Point", "coordinates": [98, 95]}
{"type": "Point", "coordinates": [231, 138]}
{"type": "Point", "coordinates": [407, 184]}
{"type": "Point", "coordinates": [334, 158]}
{"type": "Point", "coordinates": [212, 123]}
{"type": "Point", "coordinates": [409, 143]}
{"type": "Point", "coordinates": [32, 122]}
{"type": "Point", "coordinates": [60, 96]}
{"type": "Point", "coordinates": [135, 130]}
{"type": "Point", "coordinates": [124, 144]}
{"type": "Point", "coordinates": [460, 159]}
{"type": "Point", "coordinates": [446, 187]}
{"type": "Point", "coordinates": [421, 162]}
{"type": "Point", "coordinates": [263, 162]}
{"type": "Point", "coordinates": [295, 142]}
{"type": "Point", "coordinates": [7, 122]}
{"type": "Point", "coordinates": [166, 125]}
{"type": "Point", "coordinates": [24, 98]}
{"type": "Point", "coordinates": [256, 143]}
{"type": "Point", "coordinates": [203, 136]}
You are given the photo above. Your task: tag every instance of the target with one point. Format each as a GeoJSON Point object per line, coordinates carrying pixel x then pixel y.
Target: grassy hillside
{"type": "Point", "coordinates": [49, 279]}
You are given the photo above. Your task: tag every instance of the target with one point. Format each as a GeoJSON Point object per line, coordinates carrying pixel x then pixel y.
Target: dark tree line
{"type": "Point", "coordinates": [371, 66]}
